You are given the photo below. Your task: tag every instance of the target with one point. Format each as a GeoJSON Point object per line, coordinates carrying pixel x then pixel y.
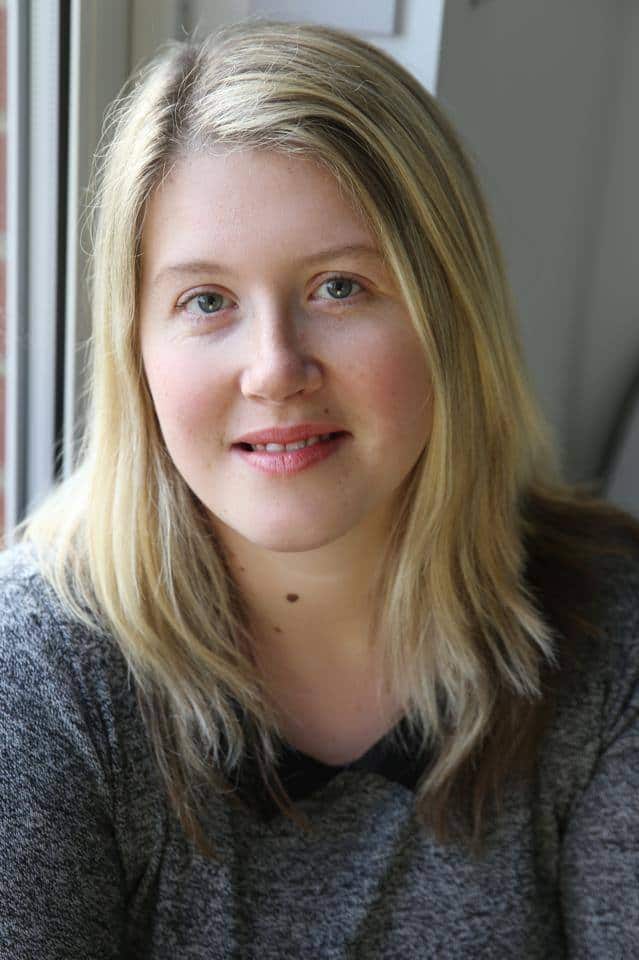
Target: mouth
{"type": "Point", "coordinates": [285, 460]}
{"type": "Point", "coordinates": [288, 447]}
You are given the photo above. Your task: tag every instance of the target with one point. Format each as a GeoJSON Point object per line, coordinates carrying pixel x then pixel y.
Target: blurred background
{"type": "Point", "coordinates": [545, 96]}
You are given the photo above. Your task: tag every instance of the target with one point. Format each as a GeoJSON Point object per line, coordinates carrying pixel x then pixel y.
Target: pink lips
{"type": "Point", "coordinates": [290, 461]}
{"type": "Point", "coordinates": [290, 434]}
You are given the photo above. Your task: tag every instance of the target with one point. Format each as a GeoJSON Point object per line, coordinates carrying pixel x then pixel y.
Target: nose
{"type": "Point", "coordinates": [278, 367]}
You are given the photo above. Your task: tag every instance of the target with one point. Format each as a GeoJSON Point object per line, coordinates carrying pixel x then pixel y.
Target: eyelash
{"type": "Point", "coordinates": [346, 302]}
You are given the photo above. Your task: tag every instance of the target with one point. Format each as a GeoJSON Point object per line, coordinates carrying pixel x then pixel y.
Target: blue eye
{"type": "Point", "coordinates": [209, 303]}
{"type": "Point", "coordinates": [340, 288]}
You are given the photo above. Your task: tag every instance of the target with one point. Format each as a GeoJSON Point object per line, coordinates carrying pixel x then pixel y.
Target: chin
{"type": "Point", "coordinates": [285, 536]}
{"type": "Point", "coordinates": [290, 541]}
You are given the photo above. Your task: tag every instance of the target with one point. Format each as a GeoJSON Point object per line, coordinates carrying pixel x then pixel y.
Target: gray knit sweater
{"type": "Point", "coordinates": [94, 865]}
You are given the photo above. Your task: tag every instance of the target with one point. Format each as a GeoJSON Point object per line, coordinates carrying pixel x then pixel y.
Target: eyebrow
{"type": "Point", "coordinates": [202, 266]}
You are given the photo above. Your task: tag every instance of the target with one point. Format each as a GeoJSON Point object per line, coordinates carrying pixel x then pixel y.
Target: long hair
{"type": "Point", "coordinates": [475, 629]}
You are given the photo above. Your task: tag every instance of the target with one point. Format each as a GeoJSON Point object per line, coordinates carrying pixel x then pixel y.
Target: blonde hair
{"type": "Point", "coordinates": [469, 648]}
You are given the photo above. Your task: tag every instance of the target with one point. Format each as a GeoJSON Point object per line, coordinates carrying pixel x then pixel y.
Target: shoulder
{"type": "Point", "coordinates": [614, 665]}
{"type": "Point", "coordinates": [74, 758]}
{"type": "Point", "coordinates": [19, 586]}
{"type": "Point", "coordinates": [609, 639]}
{"type": "Point", "coordinates": [34, 617]}
{"type": "Point", "coordinates": [585, 575]}
{"type": "Point", "coordinates": [618, 579]}
{"type": "Point", "coordinates": [599, 852]}
{"type": "Point", "coordinates": [69, 699]}
{"type": "Point", "coordinates": [56, 671]}
{"type": "Point", "coordinates": [598, 688]}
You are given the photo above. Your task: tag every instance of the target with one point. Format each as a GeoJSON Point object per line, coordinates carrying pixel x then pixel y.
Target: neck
{"type": "Point", "coordinates": [311, 611]}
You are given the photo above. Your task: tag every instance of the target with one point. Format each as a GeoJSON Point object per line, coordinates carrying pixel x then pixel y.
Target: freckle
{"type": "Point", "coordinates": [325, 409]}
{"type": "Point", "coordinates": [277, 629]}
{"type": "Point", "coordinates": [292, 597]}
{"type": "Point", "coordinates": [243, 569]}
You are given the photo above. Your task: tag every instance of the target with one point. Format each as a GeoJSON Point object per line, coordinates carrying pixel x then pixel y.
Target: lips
{"type": "Point", "coordinates": [284, 463]}
{"type": "Point", "coordinates": [290, 434]}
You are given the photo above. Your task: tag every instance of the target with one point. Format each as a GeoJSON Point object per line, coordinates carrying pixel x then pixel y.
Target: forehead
{"type": "Point", "coordinates": [243, 202]}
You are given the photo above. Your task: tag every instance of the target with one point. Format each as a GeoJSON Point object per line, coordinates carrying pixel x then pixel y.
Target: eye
{"type": "Point", "coordinates": [204, 304]}
{"type": "Point", "coordinates": [340, 288]}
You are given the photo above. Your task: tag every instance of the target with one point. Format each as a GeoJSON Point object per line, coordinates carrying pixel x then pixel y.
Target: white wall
{"type": "Point", "coordinates": [415, 43]}
{"type": "Point", "coordinates": [611, 290]}
{"type": "Point", "coordinates": [545, 96]}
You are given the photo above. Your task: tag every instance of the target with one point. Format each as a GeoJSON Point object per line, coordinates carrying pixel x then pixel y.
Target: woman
{"type": "Point", "coordinates": [374, 694]}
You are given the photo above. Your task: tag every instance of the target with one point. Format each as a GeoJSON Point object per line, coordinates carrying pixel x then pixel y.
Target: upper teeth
{"type": "Point", "coordinates": [290, 446]}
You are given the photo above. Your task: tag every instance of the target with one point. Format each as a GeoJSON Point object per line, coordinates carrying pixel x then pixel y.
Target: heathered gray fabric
{"type": "Point", "coordinates": [94, 866]}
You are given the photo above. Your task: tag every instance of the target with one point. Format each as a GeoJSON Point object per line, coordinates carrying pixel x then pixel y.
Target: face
{"type": "Point", "coordinates": [264, 304]}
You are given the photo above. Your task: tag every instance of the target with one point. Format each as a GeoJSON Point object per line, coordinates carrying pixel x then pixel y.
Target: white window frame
{"type": "Point", "coordinates": [47, 310]}
{"type": "Point", "coordinates": [33, 284]}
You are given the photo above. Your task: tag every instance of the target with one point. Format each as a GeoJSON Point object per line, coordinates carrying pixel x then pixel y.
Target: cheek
{"type": "Point", "coordinates": [392, 374]}
{"type": "Point", "coordinates": [186, 394]}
